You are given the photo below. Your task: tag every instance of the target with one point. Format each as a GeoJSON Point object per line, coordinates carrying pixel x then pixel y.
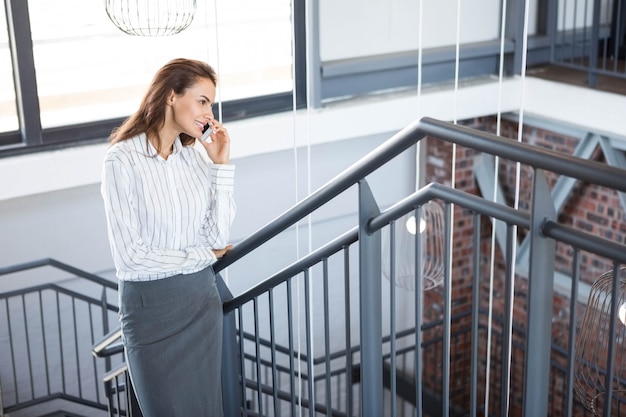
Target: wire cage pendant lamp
{"type": "Point", "coordinates": [151, 17]}
{"type": "Point", "coordinates": [430, 230]}
{"type": "Point", "coordinates": [597, 340]}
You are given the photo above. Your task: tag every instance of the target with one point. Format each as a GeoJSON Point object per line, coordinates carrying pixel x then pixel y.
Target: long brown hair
{"type": "Point", "coordinates": [177, 75]}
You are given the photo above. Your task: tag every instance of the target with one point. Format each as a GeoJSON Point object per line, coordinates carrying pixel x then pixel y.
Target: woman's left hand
{"type": "Point", "coordinates": [218, 148]}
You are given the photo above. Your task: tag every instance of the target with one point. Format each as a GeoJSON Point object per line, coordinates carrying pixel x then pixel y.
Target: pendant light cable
{"type": "Point", "coordinates": [217, 61]}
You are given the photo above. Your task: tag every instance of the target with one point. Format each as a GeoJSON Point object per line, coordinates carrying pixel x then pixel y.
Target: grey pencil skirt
{"type": "Point", "coordinates": [172, 334]}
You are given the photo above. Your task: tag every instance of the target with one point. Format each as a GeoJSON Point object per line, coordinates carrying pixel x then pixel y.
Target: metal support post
{"type": "Point", "coordinates": [370, 305]}
{"type": "Point", "coordinates": [540, 299]}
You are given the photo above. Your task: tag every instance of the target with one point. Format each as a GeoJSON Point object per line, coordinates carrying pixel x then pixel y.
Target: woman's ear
{"type": "Point", "coordinates": [171, 97]}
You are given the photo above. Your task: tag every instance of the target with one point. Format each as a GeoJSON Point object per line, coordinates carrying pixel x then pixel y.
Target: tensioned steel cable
{"type": "Point", "coordinates": [294, 108]}
{"type": "Point", "coordinates": [418, 182]}
{"type": "Point", "coordinates": [506, 399]}
{"type": "Point", "coordinates": [496, 176]}
{"type": "Point", "coordinates": [218, 87]}
{"type": "Point", "coordinates": [448, 268]}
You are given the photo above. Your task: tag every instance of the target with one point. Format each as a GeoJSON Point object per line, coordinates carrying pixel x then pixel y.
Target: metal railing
{"type": "Point", "coordinates": [590, 37]}
{"type": "Point", "coordinates": [46, 334]}
{"type": "Point", "coordinates": [295, 307]}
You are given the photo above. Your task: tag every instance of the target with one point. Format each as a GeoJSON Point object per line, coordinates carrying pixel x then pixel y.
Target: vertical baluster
{"type": "Point", "coordinates": [574, 32]}
{"type": "Point", "coordinates": [109, 395]}
{"type": "Point", "coordinates": [105, 323]}
{"type": "Point", "coordinates": [93, 358]}
{"type": "Point", "coordinates": [75, 328]}
{"type": "Point", "coordinates": [419, 291]}
{"type": "Point", "coordinates": [392, 315]}
{"type": "Point", "coordinates": [563, 34]}
{"type": "Point", "coordinates": [447, 307]}
{"type": "Point", "coordinates": [1, 404]}
{"type": "Point", "coordinates": [28, 352]}
{"type": "Point", "coordinates": [475, 316]}
{"type": "Point", "coordinates": [11, 340]}
{"type": "Point", "coordinates": [592, 75]}
{"type": "Point", "coordinates": [45, 345]}
{"type": "Point", "coordinates": [507, 328]}
{"type": "Point", "coordinates": [346, 279]}
{"type": "Point", "coordinates": [129, 398]}
{"type": "Point", "coordinates": [329, 405]}
{"type": "Point", "coordinates": [273, 351]}
{"type": "Point", "coordinates": [59, 323]}
{"type": "Point", "coordinates": [243, 362]}
{"type": "Point", "coordinates": [257, 345]}
{"type": "Point", "coordinates": [118, 394]}
{"type": "Point", "coordinates": [309, 349]}
{"type": "Point", "coordinates": [610, 362]}
{"type": "Point", "coordinates": [292, 382]}
{"type": "Point", "coordinates": [571, 348]}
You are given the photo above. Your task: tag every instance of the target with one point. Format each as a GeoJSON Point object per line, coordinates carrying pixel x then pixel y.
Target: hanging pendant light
{"type": "Point", "coordinates": [593, 344]}
{"type": "Point", "coordinates": [430, 230]}
{"type": "Point", "coordinates": [151, 17]}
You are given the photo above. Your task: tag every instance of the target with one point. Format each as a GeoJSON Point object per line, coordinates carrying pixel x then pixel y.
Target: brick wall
{"type": "Point", "coordinates": [589, 207]}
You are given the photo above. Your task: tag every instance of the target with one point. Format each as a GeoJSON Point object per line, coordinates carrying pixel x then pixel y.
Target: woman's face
{"type": "Point", "coordinates": [192, 110]}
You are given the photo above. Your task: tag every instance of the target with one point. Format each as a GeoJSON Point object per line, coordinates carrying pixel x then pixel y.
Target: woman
{"type": "Point", "coordinates": [169, 211]}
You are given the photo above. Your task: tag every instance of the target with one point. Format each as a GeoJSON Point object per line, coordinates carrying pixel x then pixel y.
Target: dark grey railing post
{"type": "Point", "coordinates": [592, 74]}
{"type": "Point", "coordinates": [540, 294]}
{"type": "Point", "coordinates": [105, 324]}
{"type": "Point", "coordinates": [230, 360]}
{"type": "Point", "coordinates": [370, 306]}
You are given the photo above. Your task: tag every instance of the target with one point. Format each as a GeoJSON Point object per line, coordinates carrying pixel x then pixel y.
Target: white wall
{"type": "Point", "coordinates": [359, 28]}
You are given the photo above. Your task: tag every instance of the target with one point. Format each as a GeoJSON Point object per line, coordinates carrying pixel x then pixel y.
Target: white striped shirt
{"type": "Point", "coordinates": [164, 217]}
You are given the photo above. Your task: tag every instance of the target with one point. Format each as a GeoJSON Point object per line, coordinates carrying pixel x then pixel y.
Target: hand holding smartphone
{"type": "Point", "coordinates": [206, 133]}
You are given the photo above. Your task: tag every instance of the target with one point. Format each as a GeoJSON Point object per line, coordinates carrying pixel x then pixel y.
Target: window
{"type": "Point", "coordinates": [90, 75]}
{"type": "Point", "coordinates": [8, 110]}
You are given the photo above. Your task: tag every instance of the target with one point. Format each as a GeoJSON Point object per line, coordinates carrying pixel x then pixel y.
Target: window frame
{"type": "Point", "coordinates": [31, 137]}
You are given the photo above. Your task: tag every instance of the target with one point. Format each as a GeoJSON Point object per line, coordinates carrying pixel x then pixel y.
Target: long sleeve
{"type": "Point", "coordinates": [220, 213]}
{"type": "Point", "coordinates": [165, 217]}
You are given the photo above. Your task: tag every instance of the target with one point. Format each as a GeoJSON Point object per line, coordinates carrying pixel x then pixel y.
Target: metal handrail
{"type": "Point", "coordinates": [108, 345]}
{"type": "Point", "coordinates": [330, 248]}
{"type": "Point", "coordinates": [549, 160]}
{"type": "Point", "coordinates": [585, 241]}
{"type": "Point", "coordinates": [59, 265]}
{"type": "Point", "coordinates": [115, 372]}
{"type": "Point", "coordinates": [58, 289]}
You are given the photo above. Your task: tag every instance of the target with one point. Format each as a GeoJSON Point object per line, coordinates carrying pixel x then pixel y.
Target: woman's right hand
{"type": "Point", "coordinates": [221, 252]}
{"type": "Point", "coordinates": [218, 148]}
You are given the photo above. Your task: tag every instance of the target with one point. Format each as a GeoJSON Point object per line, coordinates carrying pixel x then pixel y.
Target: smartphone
{"type": "Point", "coordinates": [206, 133]}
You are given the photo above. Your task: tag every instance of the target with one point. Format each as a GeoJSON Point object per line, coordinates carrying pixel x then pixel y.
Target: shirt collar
{"type": "Point", "coordinates": [177, 148]}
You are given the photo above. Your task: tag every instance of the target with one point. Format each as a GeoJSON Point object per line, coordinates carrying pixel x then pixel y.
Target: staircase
{"type": "Point", "coordinates": [326, 335]}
